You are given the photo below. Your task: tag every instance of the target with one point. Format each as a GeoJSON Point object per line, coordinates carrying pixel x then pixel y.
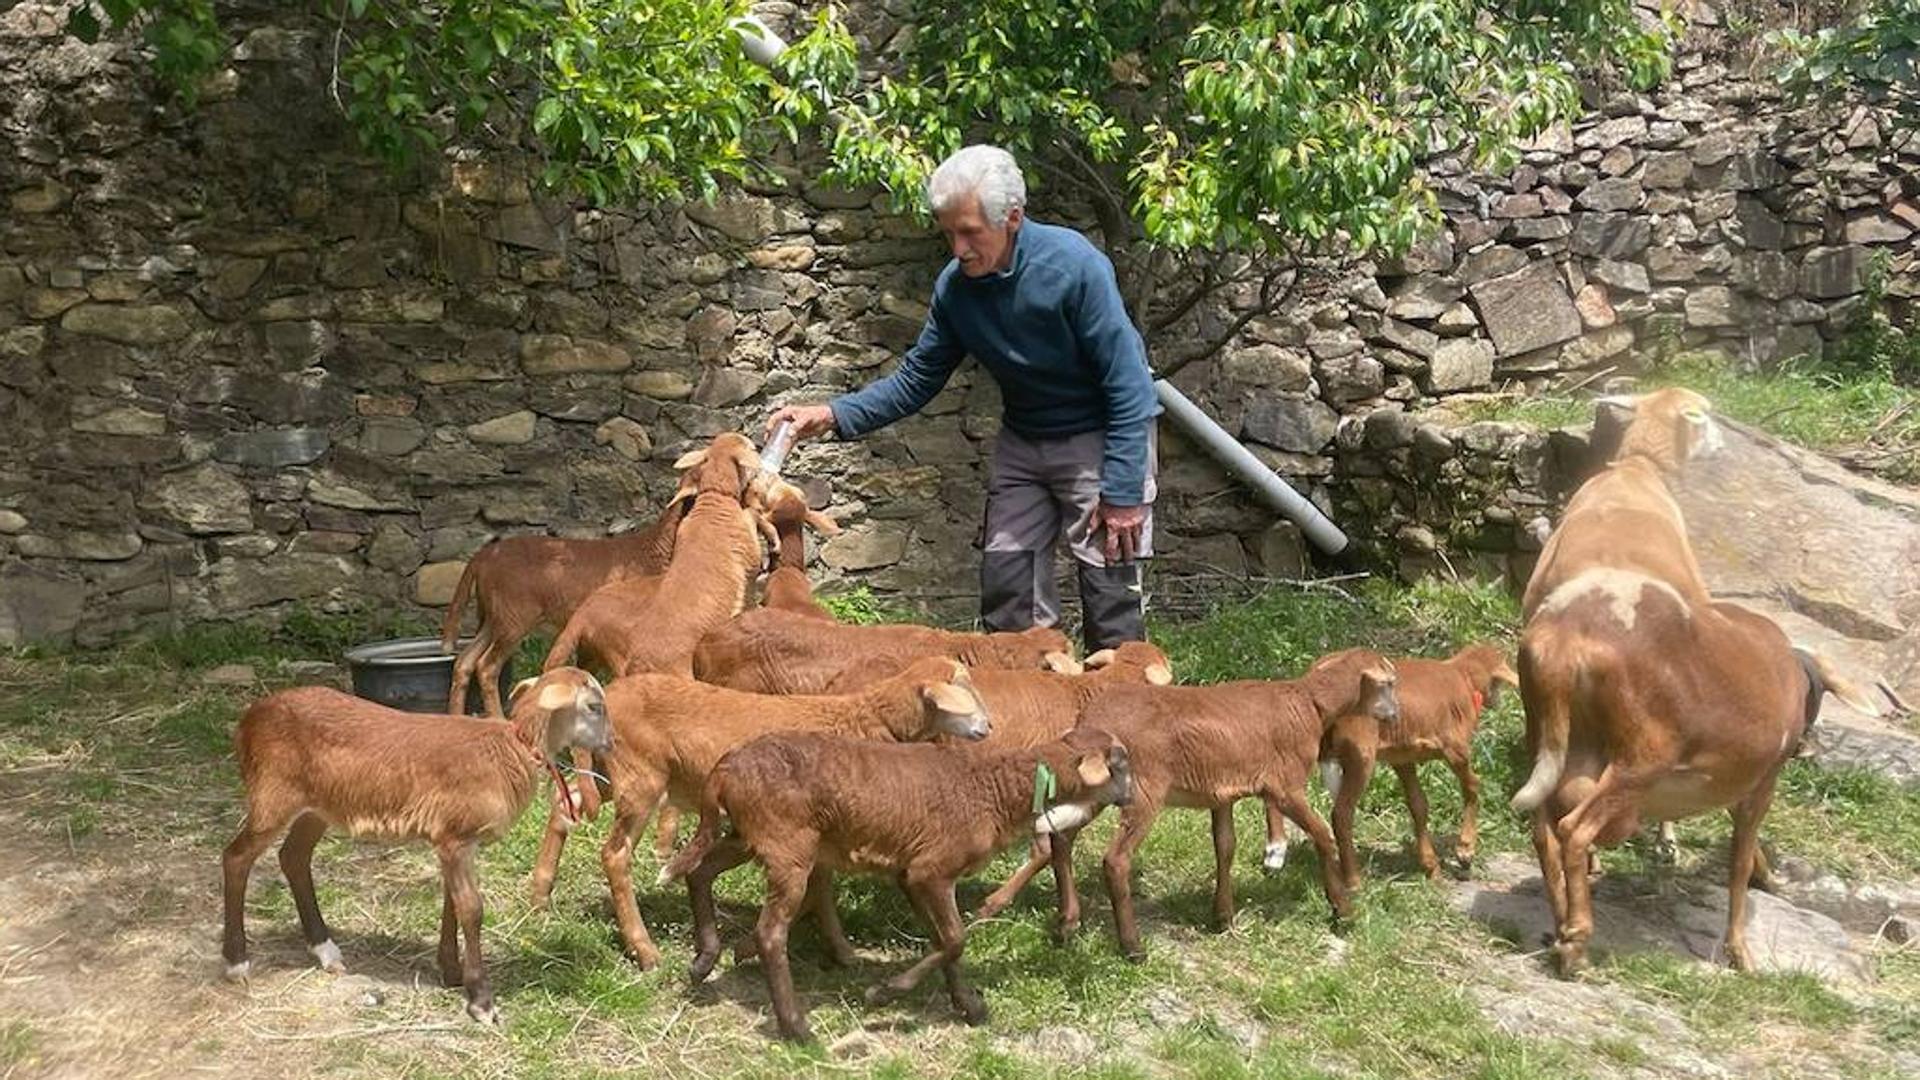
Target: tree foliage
{"type": "Point", "coordinates": [1193, 129]}
{"type": "Point", "coordinates": [1876, 53]}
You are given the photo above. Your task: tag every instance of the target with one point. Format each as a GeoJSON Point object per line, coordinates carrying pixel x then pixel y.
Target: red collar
{"type": "Point", "coordinates": [565, 789]}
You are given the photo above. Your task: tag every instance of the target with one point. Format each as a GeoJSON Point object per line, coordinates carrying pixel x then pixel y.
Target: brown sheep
{"type": "Point", "coordinates": [1030, 708]}
{"type": "Point", "coordinates": [805, 804]}
{"type": "Point", "coordinates": [669, 733]}
{"type": "Point", "coordinates": [522, 583]}
{"type": "Point", "coordinates": [1210, 746]}
{"type": "Point", "coordinates": [787, 587]}
{"type": "Point", "coordinates": [314, 758]}
{"type": "Point", "coordinates": [1645, 697]}
{"type": "Point", "coordinates": [1440, 706]}
{"type": "Point", "coordinates": [769, 651]}
{"type": "Point", "coordinates": [655, 623]}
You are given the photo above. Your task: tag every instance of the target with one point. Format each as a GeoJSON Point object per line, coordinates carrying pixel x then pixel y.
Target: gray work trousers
{"type": "Point", "coordinates": [1037, 491]}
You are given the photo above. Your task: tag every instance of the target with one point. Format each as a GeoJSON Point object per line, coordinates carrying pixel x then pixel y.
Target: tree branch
{"type": "Point", "coordinates": [1272, 295]}
{"type": "Point", "coordinates": [1209, 280]}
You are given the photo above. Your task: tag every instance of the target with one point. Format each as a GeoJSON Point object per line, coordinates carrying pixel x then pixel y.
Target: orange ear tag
{"type": "Point", "coordinates": [1478, 700]}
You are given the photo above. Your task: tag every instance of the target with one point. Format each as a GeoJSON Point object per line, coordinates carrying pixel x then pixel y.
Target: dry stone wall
{"type": "Point", "coordinates": [242, 368]}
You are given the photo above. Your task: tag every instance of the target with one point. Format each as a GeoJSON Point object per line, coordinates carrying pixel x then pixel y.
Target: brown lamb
{"type": "Point", "coordinates": [522, 583]}
{"type": "Point", "coordinates": [1030, 708]}
{"type": "Point", "coordinates": [1440, 706]}
{"type": "Point", "coordinates": [770, 651]}
{"type": "Point", "coordinates": [787, 587]}
{"type": "Point", "coordinates": [314, 758]}
{"type": "Point", "coordinates": [655, 623]}
{"type": "Point", "coordinates": [669, 732]}
{"type": "Point", "coordinates": [629, 625]}
{"type": "Point", "coordinates": [805, 805]}
{"type": "Point", "coordinates": [1207, 747]}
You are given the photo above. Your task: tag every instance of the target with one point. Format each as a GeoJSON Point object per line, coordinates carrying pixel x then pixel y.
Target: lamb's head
{"type": "Point", "coordinates": [1091, 770]}
{"type": "Point", "coordinates": [565, 708]}
{"type": "Point", "coordinates": [949, 704]}
{"type": "Point", "coordinates": [1044, 647]}
{"type": "Point", "coordinates": [787, 508]}
{"type": "Point", "coordinates": [1669, 427]}
{"type": "Point", "coordinates": [728, 465]}
{"type": "Point", "coordinates": [1487, 668]}
{"type": "Point", "coordinates": [1354, 682]}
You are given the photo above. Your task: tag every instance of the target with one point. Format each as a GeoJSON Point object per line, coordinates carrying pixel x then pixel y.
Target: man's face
{"type": "Point", "coordinates": [981, 247]}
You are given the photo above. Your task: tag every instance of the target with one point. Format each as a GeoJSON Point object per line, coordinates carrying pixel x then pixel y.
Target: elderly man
{"type": "Point", "coordinates": [1038, 307]}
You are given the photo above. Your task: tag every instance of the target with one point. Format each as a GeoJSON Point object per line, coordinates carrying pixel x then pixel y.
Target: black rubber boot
{"type": "Point", "coordinates": [1112, 605]}
{"type": "Point", "coordinates": [1017, 590]}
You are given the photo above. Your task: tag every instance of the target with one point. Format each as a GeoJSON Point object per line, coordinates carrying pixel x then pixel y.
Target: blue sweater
{"type": "Point", "coordinates": [1054, 333]}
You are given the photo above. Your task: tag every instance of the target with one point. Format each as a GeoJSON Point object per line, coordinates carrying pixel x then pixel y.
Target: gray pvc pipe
{"type": "Point", "coordinates": [1240, 462]}
{"type": "Point", "coordinates": [763, 46]}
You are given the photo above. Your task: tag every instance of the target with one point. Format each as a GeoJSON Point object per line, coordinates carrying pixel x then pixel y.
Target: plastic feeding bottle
{"type": "Point", "coordinates": [779, 444]}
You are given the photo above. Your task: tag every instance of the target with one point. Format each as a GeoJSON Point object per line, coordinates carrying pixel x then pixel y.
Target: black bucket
{"type": "Point", "coordinates": [412, 674]}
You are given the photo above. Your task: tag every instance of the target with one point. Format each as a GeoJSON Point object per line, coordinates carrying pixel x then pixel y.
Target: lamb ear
{"type": "Point", "coordinates": [822, 524]}
{"type": "Point", "coordinates": [520, 687]}
{"type": "Point", "coordinates": [690, 459]}
{"type": "Point", "coordinates": [1100, 659]}
{"type": "Point", "coordinates": [950, 698]}
{"type": "Point", "coordinates": [557, 695]}
{"type": "Point", "coordinates": [686, 492]}
{"type": "Point", "coordinates": [1062, 663]}
{"type": "Point", "coordinates": [1093, 770]}
{"type": "Point", "coordinates": [1159, 675]}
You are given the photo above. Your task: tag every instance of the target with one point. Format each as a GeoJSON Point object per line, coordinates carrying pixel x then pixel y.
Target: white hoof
{"type": "Point", "coordinates": [1276, 858]}
{"type": "Point", "coordinates": [239, 972]}
{"type": "Point", "coordinates": [328, 954]}
{"type": "Point", "coordinates": [488, 1015]}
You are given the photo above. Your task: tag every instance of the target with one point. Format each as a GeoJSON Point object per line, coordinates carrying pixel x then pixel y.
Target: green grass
{"type": "Point", "coordinates": [17, 1042]}
{"type": "Point", "coordinates": [1537, 410]}
{"type": "Point", "coordinates": [860, 606]}
{"type": "Point", "coordinates": [1729, 1007]}
{"type": "Point", "coordinates": [1814, 406]}
{"type": "Point", "coordinates": [1862, 412]}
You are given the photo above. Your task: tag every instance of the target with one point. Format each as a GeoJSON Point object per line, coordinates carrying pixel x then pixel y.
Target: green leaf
{"type": "Point", "coordinates": [83, 24]}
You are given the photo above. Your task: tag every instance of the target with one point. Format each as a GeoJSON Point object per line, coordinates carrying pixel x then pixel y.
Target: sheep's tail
{"type": "Point", "coordinates": [1826, 677]}
{"type": "Point", "coordinates": [1552, 668]}
{"type": "Point", "coordinates": [704, 837]}
{"type": "Point", "coordinates": [450, 625]}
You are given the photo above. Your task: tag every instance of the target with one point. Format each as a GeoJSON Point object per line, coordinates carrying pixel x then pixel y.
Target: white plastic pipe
{"type": "Point", "coordinates": [762, 45]}
{"type": "Point", "coordinates": [1240, 462]}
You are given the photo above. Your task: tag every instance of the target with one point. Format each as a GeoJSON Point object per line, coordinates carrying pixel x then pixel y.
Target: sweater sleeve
{"type": "Point", "coordinates": [922, 372]}
{"type": "Point", "coordinates": [1118, 356]}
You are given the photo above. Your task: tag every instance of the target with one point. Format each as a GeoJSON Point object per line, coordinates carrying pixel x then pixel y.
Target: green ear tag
{"type": "Point", "coordinates": [1045, 786]}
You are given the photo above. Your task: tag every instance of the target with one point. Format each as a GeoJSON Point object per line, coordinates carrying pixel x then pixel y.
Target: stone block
{"type": "Point", "coordinates": [1526, 310]}
{"type": "Point", "coordinates": [1299, 425]}
{"type": "Point", "coordinates": [272, 449]}
{"type": "Point", "coordinates": [128, 324]}
{"type": "Point", "coordinates": [552, 354]}
{"type": "Point", "coordinates": [513, 429]}
{"type": "Point", "coordinates": [1460, 364]}
{"type": "Point", "coordinates": [203, 500]}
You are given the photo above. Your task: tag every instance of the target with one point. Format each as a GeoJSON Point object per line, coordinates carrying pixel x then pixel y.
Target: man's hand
{"type": "Point", "coordinates": [1120, 526]}
{"type": "Point", "coordinates": [809, 421]}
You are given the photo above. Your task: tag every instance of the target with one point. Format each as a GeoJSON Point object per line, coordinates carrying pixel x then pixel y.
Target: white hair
{"type": "Point", "coordinates": [986, 171]}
